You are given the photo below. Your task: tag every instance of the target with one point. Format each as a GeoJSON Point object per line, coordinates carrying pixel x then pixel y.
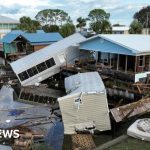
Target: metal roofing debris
{"type": "Point", "coordinates": [84, 82]}
{"type": "Point", "coordinates": [39, 37]}
{"type": "Point", "coordinates": [39, 56]}
{"type": "Point", "coordinates": [4, 19]}
{"type": "Point", "coordinates": [135, 43]}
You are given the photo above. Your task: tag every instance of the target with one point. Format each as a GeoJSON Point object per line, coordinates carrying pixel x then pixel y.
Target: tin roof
{"type": "Point", "coordinates": [84, 82]}
{"type": "Point", "coordinates": [131, 44]}
{"type": "Point", "coordinates": [4, 19]}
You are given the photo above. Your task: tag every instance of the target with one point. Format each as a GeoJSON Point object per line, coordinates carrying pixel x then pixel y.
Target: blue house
{"type": "Point", "coordinates": [18, 42]}
{"type": "Point", "coordinates": [123, 56]}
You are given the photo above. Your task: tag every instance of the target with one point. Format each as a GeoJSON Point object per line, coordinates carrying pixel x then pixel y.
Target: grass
{"type": "Point", "coordinates": [131, 144]}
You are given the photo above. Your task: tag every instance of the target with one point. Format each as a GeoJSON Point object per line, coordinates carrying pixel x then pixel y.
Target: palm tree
{"type": "Point", "coordinates": [81, 22]}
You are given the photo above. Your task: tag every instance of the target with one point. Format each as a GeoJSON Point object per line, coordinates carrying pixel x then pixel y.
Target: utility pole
{"type": "Point", "coordinates": [147, 19]}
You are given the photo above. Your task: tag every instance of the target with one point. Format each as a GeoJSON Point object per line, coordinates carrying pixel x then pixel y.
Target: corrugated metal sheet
{"type": "Point", "coordinates": [45, 53]}
{"type": "Point", "coordinates": [84, 82]}
{"type": "Point", "coordinates": [136, 44]}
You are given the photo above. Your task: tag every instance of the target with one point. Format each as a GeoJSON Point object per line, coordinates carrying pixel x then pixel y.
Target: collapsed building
{"type": "Point", "coordinates": [45, 63]}
{"type": "Point", "coordinates": [85, 106]}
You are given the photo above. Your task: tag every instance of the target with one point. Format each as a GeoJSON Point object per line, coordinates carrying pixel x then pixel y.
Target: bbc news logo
{"type": "Point", "coordinates": [9, 134]}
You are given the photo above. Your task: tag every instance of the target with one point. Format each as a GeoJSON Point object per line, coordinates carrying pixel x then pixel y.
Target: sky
{"type": "Point", "coordinates": [121, 11]}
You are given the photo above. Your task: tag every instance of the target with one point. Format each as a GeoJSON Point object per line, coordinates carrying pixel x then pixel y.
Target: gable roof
{"type": "Point", "coordinates": [4, 19]}
{"type": "Point", "coordinates": [136, 43]}
{"type": "Point", "coordinates": [39, 37]}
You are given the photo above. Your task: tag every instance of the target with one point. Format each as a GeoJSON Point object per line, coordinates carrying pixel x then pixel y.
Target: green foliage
{"type": "Point", "coordinates": [135, 27]}
{"type": "Point", "coordinates": [67, 29]}
{"type": "Point", "coordinates": [101, 27]}
{"type": "Point", "coordinates": [27, 24]}
{"type": "Point", "coordinates": [52, 28]}
{"type": "Point", "coordinates": [98, 15]}
{"type": "Point", "coordinates": [100, 21]}
{"type": "Point", "coordinates": [143, 16]}
{"type": "Point", "coordinates": [53, 17]}
{"type": "Point", "coordinates": [81, 22]}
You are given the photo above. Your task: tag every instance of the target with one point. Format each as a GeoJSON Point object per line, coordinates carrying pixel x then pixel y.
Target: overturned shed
{"type": "Point", "coordinates": [43, 64]}
{"type": "Point", "coordinates": [85, 107]}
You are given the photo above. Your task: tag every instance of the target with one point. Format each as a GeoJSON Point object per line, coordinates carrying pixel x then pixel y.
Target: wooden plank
{"type": "Point", "coordinates": [138, 107]}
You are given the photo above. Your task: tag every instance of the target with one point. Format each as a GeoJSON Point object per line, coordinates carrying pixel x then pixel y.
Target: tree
{"type": "Point", "coordinates": [143, 16]}
{"type": "Point", "coordinates": [53, 17]}
{"type": "Point", "coordinates": [81, 22]}
{"type": "Point", "coordinates": [52, 28]}
{"type": "Point", "coordinates": [135, 27]}
{"type": "Point", "coordinates": [100, 21]}
{"type": "Point", "coordinates": [67, 29]}
{"type": "Point", "coordinates": [98, 15]}
{"type": "Point", "coordinates": [28, 25]}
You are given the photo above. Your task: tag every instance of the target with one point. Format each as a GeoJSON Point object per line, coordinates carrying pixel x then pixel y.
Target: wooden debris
{"type": "Point", "coordinates": [123, 112]}
{"type": "Point", "coordinates": [82, 142]}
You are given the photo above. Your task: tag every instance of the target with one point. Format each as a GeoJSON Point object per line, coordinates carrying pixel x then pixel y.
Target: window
{"type": "Point", "coordinates": [50, 62]}
{"type": "Point", "coordinates": [32, 71]}
{"type": "Point", "coordinates": [41, 67]}
{"type": "Point", "coordinates": [141, 59]}
{"type": "Point", "coordinates": [23, 76]}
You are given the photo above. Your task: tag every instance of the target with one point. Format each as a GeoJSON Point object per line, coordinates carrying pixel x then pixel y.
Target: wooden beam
{"type": "Point", "coordinates": [118, 62]}
{"type": "Point", "coordinates": [149, 63]}
{"type": "Point", "coordinates": [126, 65]}
{"type": "Point", "coordinates": [143, 65]}
{"type": "Point", "coordinates": [135, 64]}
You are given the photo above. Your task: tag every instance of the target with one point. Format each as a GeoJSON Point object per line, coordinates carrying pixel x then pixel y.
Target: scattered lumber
{"type": "Point", "coordinates": [136, 108]}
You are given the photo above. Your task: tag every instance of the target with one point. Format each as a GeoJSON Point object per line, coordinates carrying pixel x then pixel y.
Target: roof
{"type": "Point", "coordinates": [120, 28]}
{"type": "Point", "coordinates": [84, 82]}
{"type": "Point", "coordinates": [39, 56]}
{"type": "Point", "coordinates": [4, 19]}
{"type": "Point", "coordinates": [135, 43]}
{"type": "Point", "coordinates": [39, 37]}
{"type": "Point", "coordinates": [42, 37]}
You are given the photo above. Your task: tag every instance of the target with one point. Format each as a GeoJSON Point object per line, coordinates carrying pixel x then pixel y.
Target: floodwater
{"type": "Point", "coordinates": [11, 110]}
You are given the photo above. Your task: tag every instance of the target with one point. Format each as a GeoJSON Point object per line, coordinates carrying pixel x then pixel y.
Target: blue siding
{"type": "Point", "coordinates": [102, 45]}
